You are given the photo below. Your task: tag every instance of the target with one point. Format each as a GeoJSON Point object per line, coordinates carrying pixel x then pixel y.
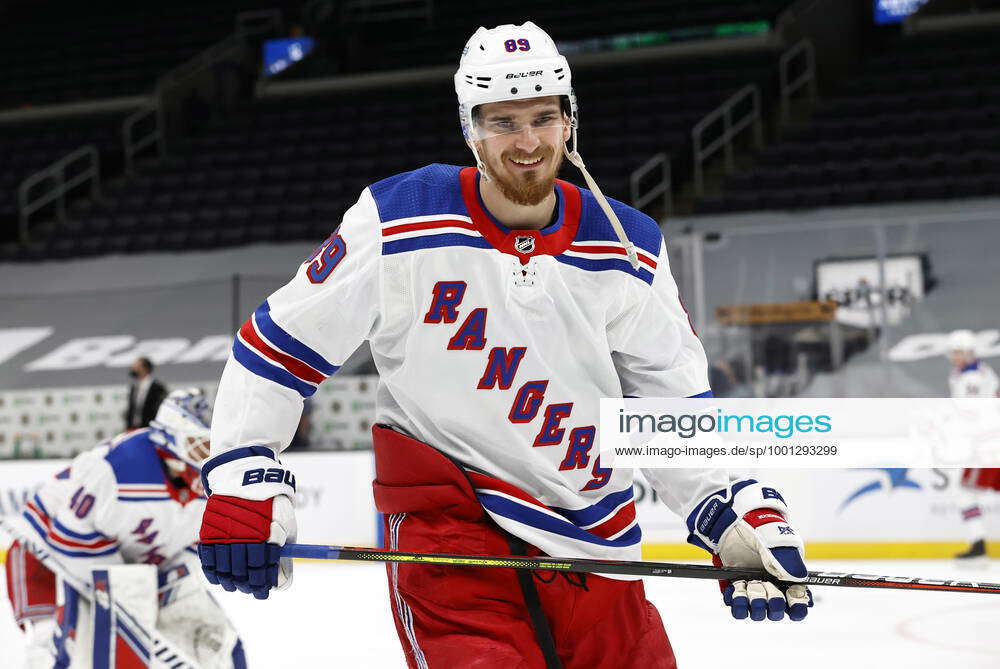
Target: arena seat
{"type": "Point", "coordinates": [919, 122]}
{"type": "Point", "coordinates": [287, 168]}
{"type": "Point", "coordinates": [58, 52]}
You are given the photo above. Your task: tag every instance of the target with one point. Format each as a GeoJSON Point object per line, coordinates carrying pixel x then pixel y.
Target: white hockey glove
{"type": "Point", "coordinates": [746, 525]}
{"type": "Point", "coordinates": [249, 517]}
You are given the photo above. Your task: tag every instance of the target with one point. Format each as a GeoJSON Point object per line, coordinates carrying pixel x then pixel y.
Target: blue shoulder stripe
{"type": "Point", "coordinates": [642, 230]}
{"type": "Point", "coordinates": [134, 460]}
{"type": "Point", "coordinates": [429, 190]}
{"type": "Point", "coordinates": [289, 344]}
{"type": "Point", "coordinates": [254, 363]}
{"type": "Point", "coordinates": [432, 242]}
{"type": "Point", "coordinates": [605, 265]}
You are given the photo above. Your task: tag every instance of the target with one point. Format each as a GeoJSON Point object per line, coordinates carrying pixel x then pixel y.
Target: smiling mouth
{"type": "Point", "coordinates": [526, 163]}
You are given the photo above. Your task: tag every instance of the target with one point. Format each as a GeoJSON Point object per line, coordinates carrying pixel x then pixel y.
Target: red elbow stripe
{"type": "Point", "coordinates": [293, 365]}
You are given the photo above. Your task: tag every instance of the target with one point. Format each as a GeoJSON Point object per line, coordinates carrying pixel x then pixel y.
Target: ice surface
{"type": "Point", "coordinates": [337, 615]}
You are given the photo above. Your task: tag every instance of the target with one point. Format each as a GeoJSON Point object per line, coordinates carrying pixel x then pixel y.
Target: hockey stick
{"type": "Point", "coordinates": [632, 568]}
{"type": "Point", "coordinates": [164, 651]}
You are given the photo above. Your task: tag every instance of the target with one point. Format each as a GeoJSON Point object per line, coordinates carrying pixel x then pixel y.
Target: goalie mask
{"type": "Point", "coordinates": [184, 419]}
{"type": "Point", "coordinates": [512, 62]}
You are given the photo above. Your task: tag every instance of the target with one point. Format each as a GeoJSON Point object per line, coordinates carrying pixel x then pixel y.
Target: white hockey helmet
{"type": "Point", "coordinates": [962, 340]}
{"type": "Point", "coordinates": [510, 62]}
{"type": "Point", "coordinates": [185, 419]}
{"type": "Point", "coordinates": [513, 62]}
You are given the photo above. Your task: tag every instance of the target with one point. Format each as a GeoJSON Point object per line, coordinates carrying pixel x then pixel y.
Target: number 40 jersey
{"type": "Point", "coordinates": [493, 345]}
{"type": "Point", "coordinates": [128, 501]}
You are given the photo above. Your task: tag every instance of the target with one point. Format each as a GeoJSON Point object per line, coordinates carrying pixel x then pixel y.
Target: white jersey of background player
{"type": "Point", "coordinates": [494, 341]}
{"type": "Point", "coordinates": [971, 377]}
{"type": "Point", "coordinates": [135, 499]}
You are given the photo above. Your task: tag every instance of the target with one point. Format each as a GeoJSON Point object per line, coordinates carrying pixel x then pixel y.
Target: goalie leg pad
{"type": "Point", "coordinates": [99, 635]}
{"type": "Point", "coordinates": [121, 640]}
{"type": "Point", "coordinates": [199, 627]}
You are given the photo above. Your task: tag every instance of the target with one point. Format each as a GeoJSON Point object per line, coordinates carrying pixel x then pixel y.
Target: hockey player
{"type": "Point", "coordinates": [971, 377]}
{"type": "Point", "coordinates": [500, 304]}
{"type": "Point", "coordinates": [136, 499]}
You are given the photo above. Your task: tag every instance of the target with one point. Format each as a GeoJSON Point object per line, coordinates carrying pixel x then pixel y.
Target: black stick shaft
{"type": "Point", "coordinates": [632, 568]}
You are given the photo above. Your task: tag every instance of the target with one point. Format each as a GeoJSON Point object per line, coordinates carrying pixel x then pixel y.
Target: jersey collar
{"type": "Point", "coordinates": [523, 244]}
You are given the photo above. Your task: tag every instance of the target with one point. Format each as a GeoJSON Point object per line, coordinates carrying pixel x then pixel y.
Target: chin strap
{"type": "Point", "coordinates": [479, 162]}
{"type": "Point", "coordinates": [575, 158]}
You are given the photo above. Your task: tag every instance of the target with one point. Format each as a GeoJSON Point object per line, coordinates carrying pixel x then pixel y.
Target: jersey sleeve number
{"type": "Point", "coordinates": [326, 258]}
{"type": "Point", "coordinates": [81, 504]}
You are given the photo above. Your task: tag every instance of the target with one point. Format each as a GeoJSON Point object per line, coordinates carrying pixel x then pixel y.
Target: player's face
{"type": "Point", "coordinates": [521, 143]}
{"type": "Point", "coordinates": [960, 358]}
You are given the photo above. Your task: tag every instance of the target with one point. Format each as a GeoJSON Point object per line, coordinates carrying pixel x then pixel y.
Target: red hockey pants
{"type": "Point", "coordinates": [458, 617]}
{"type": "Point", "coordinates": [981, 479]}
{"type": "Point", "coordinates": [31, 587]}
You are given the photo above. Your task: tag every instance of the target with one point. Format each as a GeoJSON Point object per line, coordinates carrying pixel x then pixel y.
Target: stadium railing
{"type": "Point", "coordinates": [61, 185]}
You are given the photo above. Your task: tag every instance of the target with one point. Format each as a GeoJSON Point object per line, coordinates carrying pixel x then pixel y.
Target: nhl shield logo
{"type": "Point", "coordinates": [524, 244]}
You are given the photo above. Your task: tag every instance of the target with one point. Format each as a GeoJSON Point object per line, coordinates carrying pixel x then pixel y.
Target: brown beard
{"type": "Point", "coordinates": [532, 187]}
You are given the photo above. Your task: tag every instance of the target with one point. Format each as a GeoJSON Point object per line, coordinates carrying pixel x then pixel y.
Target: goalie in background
{"type": "Point", "coordinates": [136, 499]}
{"type": "Point", "coordinates": [971, 377]}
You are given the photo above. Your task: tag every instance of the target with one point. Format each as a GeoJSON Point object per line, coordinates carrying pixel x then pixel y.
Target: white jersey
{"type": "Point", "coordinates": [119, 503]}
{"type": "Point", "coordinates": [975, 380]}
{"type": "Point", "coordinates": [492, 345]}
{"type": "Point", "coordinates": [128, 501]}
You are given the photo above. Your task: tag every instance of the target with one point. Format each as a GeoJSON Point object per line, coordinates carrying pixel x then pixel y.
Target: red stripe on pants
{"type": "Point", "coordinates": [981, 479]}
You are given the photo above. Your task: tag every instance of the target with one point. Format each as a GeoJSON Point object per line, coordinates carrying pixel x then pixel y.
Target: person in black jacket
{"type": "Point", "coordinates": [144, 395]}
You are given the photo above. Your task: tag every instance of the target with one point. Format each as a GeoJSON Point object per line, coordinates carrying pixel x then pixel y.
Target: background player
{"type": "Point", "coordinates": [500, 304]}
{"type": "Point", "coordinates": [971, 377]}
{"type": "Point", "coordinates": [135, 499]}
